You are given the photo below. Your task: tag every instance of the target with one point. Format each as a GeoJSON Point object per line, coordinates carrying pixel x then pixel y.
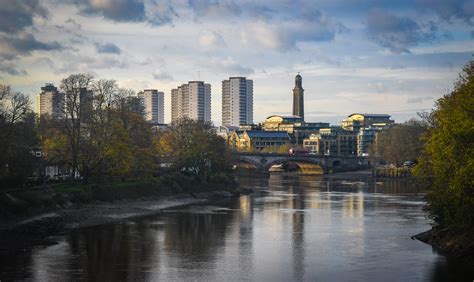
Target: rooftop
{"type": "Point", "coordinates": [371, 115]}
{"type": "Point", "coordinates": [269, 134]}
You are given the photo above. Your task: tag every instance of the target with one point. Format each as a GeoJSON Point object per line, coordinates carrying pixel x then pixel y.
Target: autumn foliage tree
{"type": "Point", "coordinates": [192, 147]}
{"type": "Point", "coordinates": [447, 164]}
{"type": "Point", "coordinates": [103, 134]}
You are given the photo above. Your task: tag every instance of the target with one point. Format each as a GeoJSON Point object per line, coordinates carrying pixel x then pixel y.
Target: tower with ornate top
{"type": "Point", "coordinates": [298, 99]}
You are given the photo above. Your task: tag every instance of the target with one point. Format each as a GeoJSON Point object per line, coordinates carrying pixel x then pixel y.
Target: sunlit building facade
{"type": "Point", "coordinates": [153, 105]}
{"type": "Point", "coordinates": [237, 101]}
{"type": "Point", "coordinates": [191, 100]}
{"type": "Point", "coordinates": [50, 102]}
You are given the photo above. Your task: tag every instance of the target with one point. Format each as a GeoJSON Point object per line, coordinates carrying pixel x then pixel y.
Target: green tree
{"type": "Point", "coordinates": [447, 163]}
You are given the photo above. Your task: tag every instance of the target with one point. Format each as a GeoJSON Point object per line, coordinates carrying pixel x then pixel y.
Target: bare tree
{"type": "Point", "coordinates": [78, 102]}
{"type": "Point", "coordinates": [14, 113]}
{"type": "Point", "coordinates": [101, 120]}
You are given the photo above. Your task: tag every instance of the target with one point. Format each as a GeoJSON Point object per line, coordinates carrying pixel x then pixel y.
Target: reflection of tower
{"type": "Point", "coordinates": [298, 231]}
{"type": "Point", "coordinates": [298, 101]}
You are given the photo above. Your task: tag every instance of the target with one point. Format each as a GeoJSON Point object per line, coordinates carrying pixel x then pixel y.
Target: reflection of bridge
{"type": "Point", "coordinates": [263, 161]}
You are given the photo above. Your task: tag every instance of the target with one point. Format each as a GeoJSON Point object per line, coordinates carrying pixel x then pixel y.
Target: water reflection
{"type": "Point", "coordinates": [291, 229]}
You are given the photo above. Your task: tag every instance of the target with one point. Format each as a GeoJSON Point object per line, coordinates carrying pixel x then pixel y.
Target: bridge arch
{"type": "Point", "coordinates": [250, 161]}
{"type": "Point", "coordinates": [305, 165]}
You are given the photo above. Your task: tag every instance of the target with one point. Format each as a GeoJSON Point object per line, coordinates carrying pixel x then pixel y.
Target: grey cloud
{"type": "Point", "coordinates": [118, 10]}
{"type": "Point", "coordinates": [155, 12]}
{"type": "Point", "coordinates": [452, 9]}
{"type": "Point", "coordinates": [28, 43]}
{"type": "Point", "coordinates": [73, 23]}
{"type": "Point", "coordinates": [213, 8]}
{"type": "Point", "coordinates": [17, 15]}
{"type": "Point", "coordinates": [23, 45]}
{"type": "Point", "coordinates": [472, 34]}
{"type": "Point", "coordinates": [162, 76]}
{"type": "Point", "coordinates": [397, 33]}
{"type": "Point", "coordinates": [11, 69]}
{"type": "Point", "coordinates": [108, 48]}
{"type": "Point", "coordinates": [69, 62]}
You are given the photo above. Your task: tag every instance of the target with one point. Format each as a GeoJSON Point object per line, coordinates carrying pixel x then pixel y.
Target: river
{"type": "Point", "coordinates": [292, 228]}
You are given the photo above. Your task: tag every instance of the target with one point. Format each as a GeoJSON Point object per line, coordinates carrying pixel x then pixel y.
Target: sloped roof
{"type": "Point", "coordinates": [267, 134]}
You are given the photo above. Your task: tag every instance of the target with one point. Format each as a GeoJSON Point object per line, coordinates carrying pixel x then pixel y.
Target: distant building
{"type": "Point", "coordinates": [153, 105]}
{"type": "Point", "coordinates": [365, 138]}
{"type": "Point", "coordinates": [237, 101]}
{"type": "Point", "coordinates": [332, 141]}
{"type": "Point", "coordinates": [294, 125]}
{"type": "Point", "coordinates": [50, 102]}
{"type": "Point", "coordinates": [191, 100]}
{"type": "Point", "coordinates": [225, 131]}
{"type": "Point", "coordinates": [356, 121]}
{"type": "Point", "coordinates": [298, 97]}
{"type": "Point", "coordinates": [258, 139]}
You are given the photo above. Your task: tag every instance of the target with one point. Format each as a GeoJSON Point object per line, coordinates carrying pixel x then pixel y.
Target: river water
{"type": "Point", "coordinates": [292, 228]}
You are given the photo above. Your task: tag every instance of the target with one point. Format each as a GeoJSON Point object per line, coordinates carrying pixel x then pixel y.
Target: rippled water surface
{"type": "Point", "coordinates": [292, 228]}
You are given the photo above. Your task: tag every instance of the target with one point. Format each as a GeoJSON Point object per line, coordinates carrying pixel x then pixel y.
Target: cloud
{"type": "Point", "coordinates": [211, 40]}
{"type": "Point", "coordinates": [162, 76]}
{"type": "Point", "coordinates": [16, 15]}
{"type": "Point", "coordinates": [24, 44]}
{"type": "Point", "coordinates": [11, 69]}
{"type": "Point", "coordinates": [116, 10]}
{"type": "Point", "coordinates": [452, 9]}
{"type": "Point", "coordinates": [214, 9]}
{"type": "Point", "coordinates": [227, 65]}
{"type": "Point", "coordinates": [159, 12]}
{"type": "Point", "coordinates": [155, 12]}
{"type": "Point", "coordinates": [73, 23]}
{"type": "Point", "coordinates": [108, 48]}
{"type": "Point", "coordinates": [397, 34]}
{"type": "Point", "coordinates": [284, 31]}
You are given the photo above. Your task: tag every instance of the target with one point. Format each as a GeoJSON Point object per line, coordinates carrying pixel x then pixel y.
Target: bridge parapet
{"type": "Point", "coordinates": [263, 161]}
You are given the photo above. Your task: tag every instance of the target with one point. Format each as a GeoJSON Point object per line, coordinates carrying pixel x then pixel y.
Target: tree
{"type": "Point", "coordinates": [194, 148]}
{"type": "Point", "coordinates": [447, 162]}
{"type": "Point", "coordinates": [118, 153]}
{"type": "Point", "coordinates": [17, 138]}
{"type": "Point", "coordinates": [399, 143]}
{"type": "Point", "coordinates": [77, 109]}
{"type": "Point", "coordinates": [100, 126]}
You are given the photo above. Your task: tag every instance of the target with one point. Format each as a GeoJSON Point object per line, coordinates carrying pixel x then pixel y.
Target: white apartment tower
{"type": "Point", "coordinates": [237, 101]}
{"type": "Point", "coordinates": [153, 105]}
{"type": "Point", "coordinates": [50, 102]}
{"type": "Point", "coordinates": [191, 100]}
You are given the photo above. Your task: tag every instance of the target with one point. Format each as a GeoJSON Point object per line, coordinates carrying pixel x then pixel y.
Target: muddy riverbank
{"type": "Point", "coordinates": [36, 229]}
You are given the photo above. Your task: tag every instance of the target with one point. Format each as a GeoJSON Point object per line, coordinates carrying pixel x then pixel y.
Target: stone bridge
{"type": "Point", "coordinates": [329, 163]}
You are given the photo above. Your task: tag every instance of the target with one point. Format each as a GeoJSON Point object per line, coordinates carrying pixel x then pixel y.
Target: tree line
{"type": "Point", "coordinates": [442, 145]}
{"type": "Point", "coordinates": [101, 136]}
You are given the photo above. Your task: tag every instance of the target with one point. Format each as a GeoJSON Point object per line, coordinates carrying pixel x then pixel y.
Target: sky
{"type": "Point", "coordinates": [394, 57]}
